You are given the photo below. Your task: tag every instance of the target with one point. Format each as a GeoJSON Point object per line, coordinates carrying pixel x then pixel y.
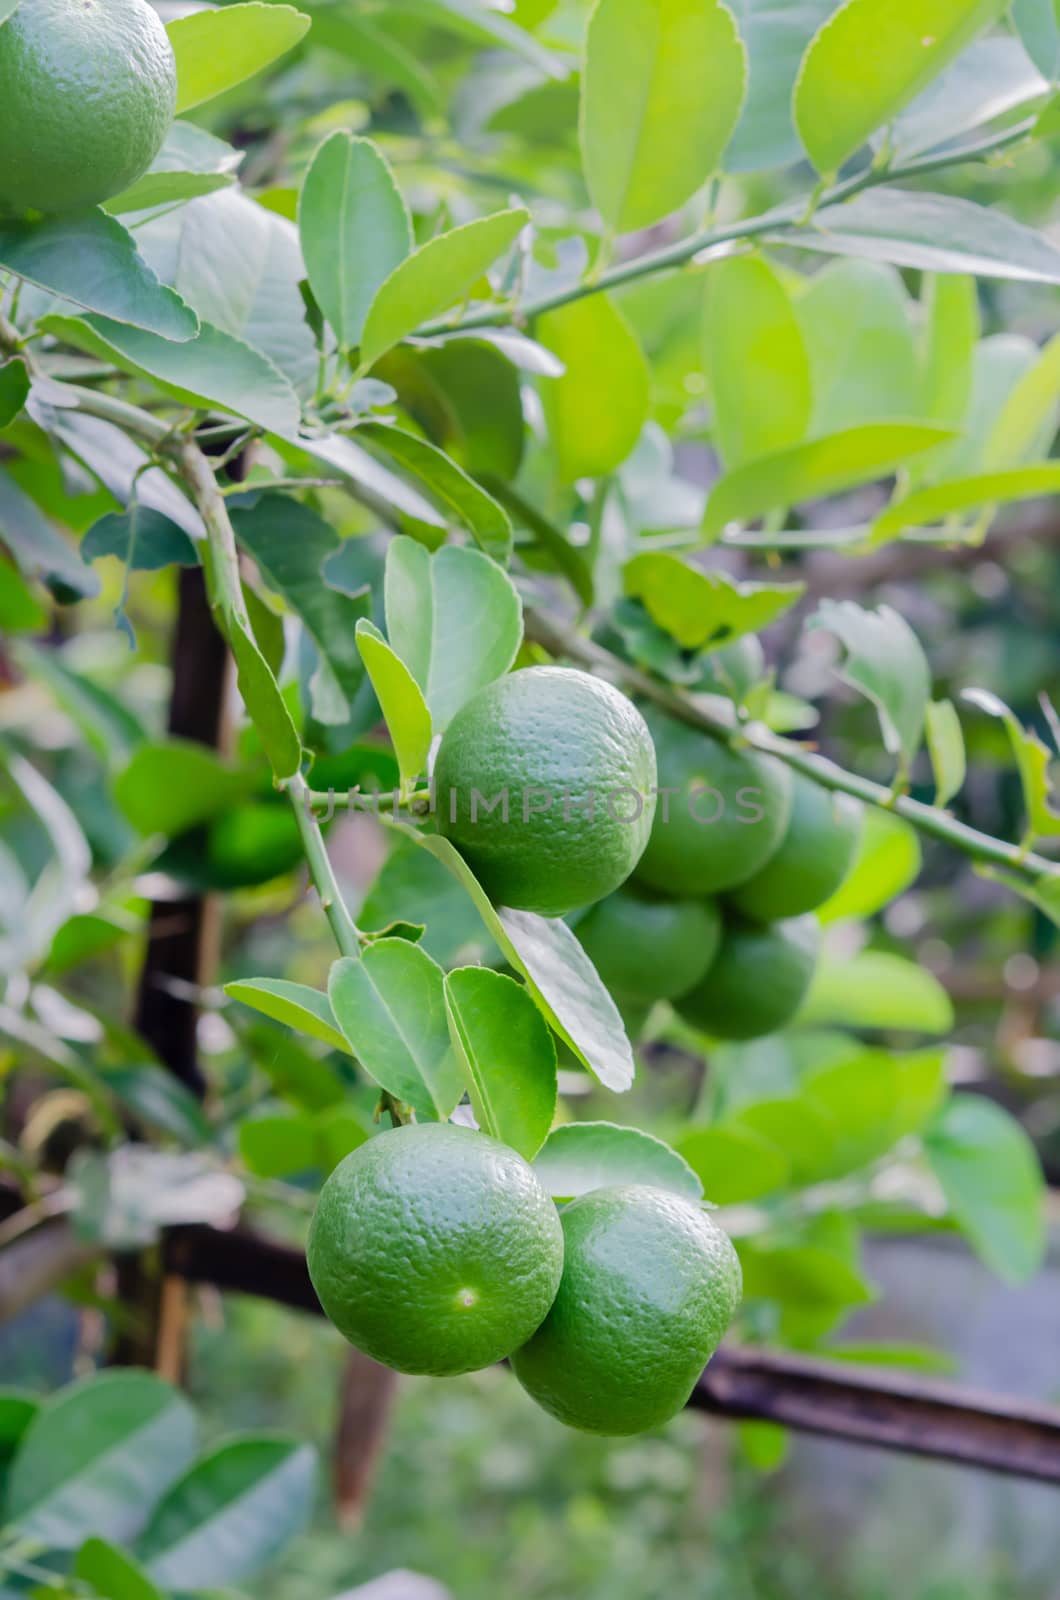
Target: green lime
{"type": "Point", "coordinates": [720, 816]}
{"type": "Point", "coordinates": [88, 90]}
{"type": "Point", "coordinates": [252, 844]}
{"type": "Point", "coordinates": [650, 1284]}
{"type": "Point", "coordinates": [758, 980]}
{"type": "Point", "coordinates": [814, 857]}
{"type": "Point", "coordinates": [648, 949]}
{"type": "Point", "coordinates": [545, 782]}
{"type": "Point", "coordinates": [435, 1249]}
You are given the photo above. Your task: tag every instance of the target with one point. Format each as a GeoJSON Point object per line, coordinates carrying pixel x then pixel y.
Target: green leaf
{"type": "Point", "coordinates": [704, 609]}
{"type": "Point", "coordinates": [21, 611]}
{"type": "Point", "coordinates": [887, 862]}
{"type": "Point", "coordinates": [159, 1100]}
{"type": "Point", "coordinates": [914, 1357]}
{"type": "Point", "coordinates": [734, 1164]}
{"type": "Point", "coordinates": [597, 409]}
{"type": "Point", "coordinates": [355, 230]}
{"type": "Point", "coordinates": [437, 275]}
{"type": "Point", "coordinates": [407, 717]}
{"type": "Point", "coordinates": [765, 1445]}
{"type": "Point", "coordinates": [146, 541]}
{"type": "Point", "coordinates": [295, 1004]}
{"type": "Point", "coordinates": [507, 1054]}
{"type": "Point", "coordinates": [931, 232]}
{"type": "Point", "coordinates": [945, 743]}
{"type": "Point", "coordinates": [581, 1156]}
{"type": "Point", "coordinates": [212, 369]}
{"type": "Point", "coordinates": [473, 400]}
{"type": "Point", "coordinates": [927, 507]}
{"type": "Point", "coordinates": [1029, 416]}
{"type": "Point", "coordinates": [777, 33]}
{"type": "Point", "coordinates": [801, 1275]}
{"type": "Point", "coordinates": [1033, 761]}
{"type": "Point", "coordinates": [171, 786]}
{"type": "Point", "coordinates": [290, 543]}
{"type": "Point", "coordinates": [216, 50]}
{"type": "Point", "coordinates": [14, 390]}
{"type": "Point", "coordinates": [1039, 28]}
{"type": "Point", "coordinates": [413, 885]}
{"type": "Point", "coordinates": [817, 468]}
{"type": "Point", "coordinates": [870, 60]}
{"type": "Point", "coordinates": [992, 1182]}
{"type": "Point", "coordinates": [662, 88]}
{"type": "Point", "coordinates": [460, 496]}
{"type": "Point", "coordinates": [550, 540]}
{"type": "Point", "coordinates": [280, 1145]}
{"type": "Point", "coordinates": [231, 1514]}
{"type": "Point", "coordinates": [112, 1574]}
{"type": "Point", "coordinates": [753, 344]}
{"type": "Point", "coordinates": [951, 311]}
{"type": "Point", "coordinates": [390, 1004]}
{"type": "Point", "coordinates": [190, 163]}
{"type": "Point", "coordinates": [875, 989]}
{"type": "Point", "coordinates": [38, 549]}
{"type": "Point", "coordinates": [873, 1100]}
{"type": "Point", "coordinates": [92, 260]}
{"type": "Point", "coordinates": [855, 317]}
{"type": "Point", "coordinates": [454, 618]}
{"type": "Point", "coordinates": [374, 50]}
{"type": "Point", "coordinates": [266, 706]}
{"type": "Point", "coordinates": [96, 1457]}
{"type": "Point", "coordinates": [989, 80]}
{"type": "Point", "coordinates": [297, 1072]}
{"type": "Point", "coordinates": [884, 662]}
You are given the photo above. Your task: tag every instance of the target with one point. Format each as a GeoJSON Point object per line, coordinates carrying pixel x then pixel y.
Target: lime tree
{"type": "Point", "coordinates": [545, 782]}
{"type": "Point", "coordinates": [88, 90]}
{"type": "Point", "coordinates": [757, 981]}
{"type": "Point", "coordinates": [435, 1249]}
{"type": "Point", "coordinates": [650, 1284]}
{"type": "Point", "coordinates": [814, 857]}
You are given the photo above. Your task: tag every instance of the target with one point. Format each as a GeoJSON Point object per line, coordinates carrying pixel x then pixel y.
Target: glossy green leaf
{"type": "Point", "coordinates": [580, 1156]}
{"type": "Point", "coordinates": [507, 1055]}
{"type": "Point", "coordinates": [875, 989]}
{"type": "Point", "coordinates": [1028, 418]}
{"type": "Point", "coordinates": [297, 1072]}
{"type": "Point", "coordinates": [171, 786]}
{"type": "Point", "coordinates": [21, 610]}
{"type": "Point", "coordinates": [355, 230]}
{"type": "Point", "coordinates": [734, 1164]}
{"type": "Point", "coordinates": [454, 618]}
{"type": "Point", "coordinates": [14, 390]}
{"type": "Point", "coordinates": [662, 87]}
{"type": "Point", "coordinates": [286, 1144]}
{"type": "Point", "coordinates": [145, 540]}
{"type": "Point", "coordinates": [802, 1275]}
{"type": "Point", "coordinates": [390, 1004]}
{"type": "Point", "coordinates": [927, 507]}
{"type": "Point", "coordinates": [1034, 760]}
{"type": "Point", "coordinates": [704, 609]}
{"type": "Point", "coordinates": [597, 409]}
{"type": "Point", "coordinates": [930, 232]}
{"type": "Point", "coordinates": [946, 747]}
{"type": "Point", "coordinates": [463, 501]}
{"type": "Point", "coordinates": [550, 540]}
{"type": "Point", "coordinates": [374, 49]}
{"type": "Point", "coordinates": [753, 345]}
{"type": "Point", "coordinates": [988, 81]}
{"type": "Point", "coordinates": [39, 550]}
{"type": "Point", "coordinates": [266, 706]}
{"type": "Point", "coordinates": [216, 50]}
{"type": "Point", "coordinates": [190, 163]}
{"type": "Point", "coordinates": [112, 1574]}
{"type": "Point", "coordinates": [96, 1457]}
{"type": "Point", "coordinates": [869, 60]}
{"type": "Point", "coordinates": [413, 885]}
{"type": "Point", "coordinates": [1039, 29]}
{"type": "Point", "coordinates": [887, 862]}
{"type": "Point", "coordinates": [437, 275]}
{"type": "Point", "coordinates": [820, 467]}
{"type": "Point", "coordinates": [407, 717]}
{"type": "Point", "coordinates": [231, 1514]}
{"type": "Point", "coordinates": [295, 1004]}
{"type": "Point", "coordinates": [873, 1099]}
{"type": "Point", "coordinates": [952, 323]}
{"type": "Point", "coordinates": [91, 259]}
{"type": "Point", "coordinates": [886, 663]}
{"type": "Point", "coordinates": [475, 383]}
{"type": "Point", "coordinates": [855, 319]}
{"type": "Point", "coordinates": [990, 1176]}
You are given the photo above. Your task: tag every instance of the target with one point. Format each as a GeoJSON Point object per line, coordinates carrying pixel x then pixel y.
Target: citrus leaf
{"type": "Point", "coordinates": [39, 550]}
{"type": "Point", "coordinates": [884, 662]}
{"type": "Point", "coordinates": [460, 496]}
{"type": "Point", "coordinates": [14, 390]}
{"type": "Point", "coordinates": [990, 1176]}
{"type": "Point", "coordinates": [993, 77]}
{"type": "Point", "coordinates": [581, 1156]}
{"type": "Point", "coordinates": [734, 1164]}
{"type": "Point", "coordinates": [507, 1054]}
{"type": "Point", "coordinates": [801, 1275]}
{"type": "Point", "coordinates": [355, 230]}
{"type": "Point", "coordinates": [819, 467]}
{"type": "Point", "coordinates": [412, 884]}
{"type": "Point", "coordinates": [875, 989]}
{"type": "Point", "coordinates": [404, 708]}
{"type": "Point", "coordinates": [752, 342]}
{"type": "Point", "coordinates": [231, 1513]}
{"type": "Point", "coordinates": [887, 862]}
{"type": "Point", "coordinates": [873, 1099]}
{"type": "Point", "coordinates": [390, 1004]}
{"type": "Point", "coordinates": [855, 319]}
{"type": "Point", "coordinates": [704, 609]}
{"type": "Point", "coordinates": [1033, 760]}
{"type": "Point", "coordinates": [597, 409]}
{"type": "Point", "coordinates": [96, 1457]}
{"type": "Point", "coordinates": [435, 277]}
{"type": "Point", "coordinates": [215, 50]}
{"type": "Point", "coordinates": [662, 88]}
{"type": "Point", "coordinates": [170, 786]}
{"type": "Point", "coordinates": [1038, 24]}
{"type": "Point", "coordinates": [454, 618]}
{"type": "Point", "coordinates": [1028, 417]}
{"type": "Point", "coordinates": [146, 541]}
{"type": "Point", "coordinates": [927, 507]}
{"type": "Point", "coordinates": [111, 1573]}
{"type": "Point", "coordinates": [951, 307]}
{"type": "Point", "coordinates": [21, 611]}
{"type": "Point", "coordinates": [945, 743]}
{"type": "Point", "coordinates": [190, 163]}
{"type": "Point", "coordinates": [295, 1004]}
{"type": "Point", "coordinates": [776, 33]}
{"type": "Point", "coordinates": [869, 60]}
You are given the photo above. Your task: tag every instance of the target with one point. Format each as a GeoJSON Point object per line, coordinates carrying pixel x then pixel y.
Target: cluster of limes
{"type": "Point", "coordinates": [88, 90]}
{"type": "Point", "coordinates": [436, 1250]}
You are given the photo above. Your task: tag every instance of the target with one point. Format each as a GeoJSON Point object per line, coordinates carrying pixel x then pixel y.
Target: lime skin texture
{"type": "Point", "coordinates": [814, 857]}
{"type": "Point", "coordinates": [434, 1249]}
{"type": "Point", "coordinates": [758, 979]}
{"type": "Point", "coordinates": [575, 759]}
{"type": "Point", "coordinates": [88, 90]}
{"type": "Point", "coordinates": [726, 814]}
{"type": "Point", "coordinates": [647, 949]}
{"type": "Point", "coordinates": [650, 1284]}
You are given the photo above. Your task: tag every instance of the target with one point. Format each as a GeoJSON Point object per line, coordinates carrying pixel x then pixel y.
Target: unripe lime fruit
{"type": "Point", "coordinates": [650, 1284]}
{"type": "Point", "coordinates": [721, 812]}
{"type": "Point", "coordinates": [88, 90]}
{"type": "Point", "coordinates": [545, 783]}
{"type": "Point", "coordinates": [435, 1249]}
{"type": "Point", "coordinates": [814, 857]}
{"type": "Point", "coordinates": [252, 844]}
{"type": "Point", "coordinates": [648, 949]}
{"type": "Point", "coordinates": [758, 980]}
